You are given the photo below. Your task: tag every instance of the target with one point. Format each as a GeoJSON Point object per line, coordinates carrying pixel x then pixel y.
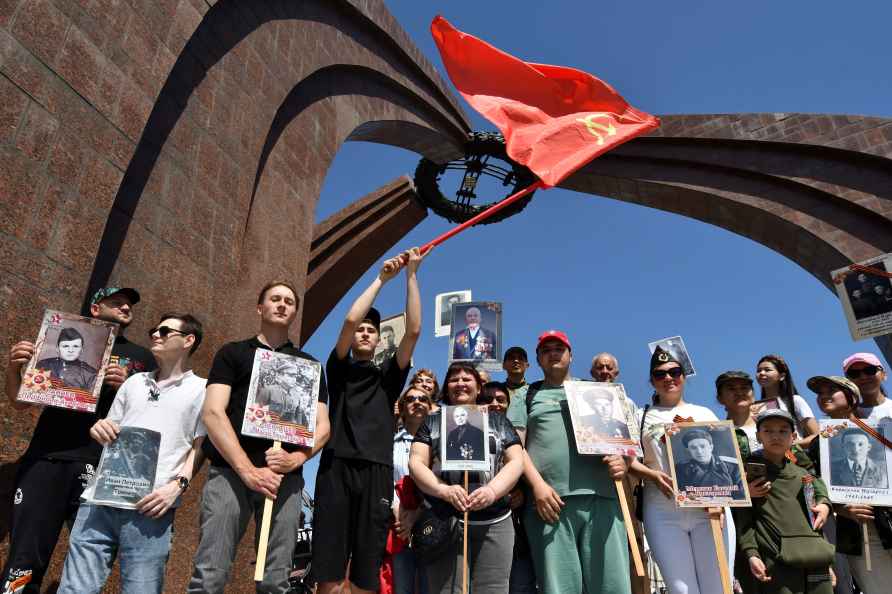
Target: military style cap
{"type": "Point", "coordinates": [775, 413]}
{"type": "Point", "coordinates": [516, 349]}
{"type": "Point", "coordinates": [374, 317]}
{"type": "Point", "coordinates": [731, 376]}
{"type": "Point", "coordinates": [692, 434]}
{"type": "Point", "coordinates": [109, 291]}
{"type": "Point", "coordinates": [844, 383]}
{"type": "Point", "coordinates": [661, 357]}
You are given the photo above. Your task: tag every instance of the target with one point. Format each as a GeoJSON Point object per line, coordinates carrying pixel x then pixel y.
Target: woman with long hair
{"type": "Point", "coordinates": [490, 530]}
{"type": "Point", "coordinates": [681, 538]}
{"type": "Point", "coordinates": [773, 375]}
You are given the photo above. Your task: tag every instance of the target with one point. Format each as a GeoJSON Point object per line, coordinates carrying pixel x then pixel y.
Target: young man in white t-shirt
{"type": "Point", "coordinates": [168, 401]}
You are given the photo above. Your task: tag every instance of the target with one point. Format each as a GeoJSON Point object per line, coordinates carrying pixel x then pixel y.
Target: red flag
{"type": "Point", "coordinates": [555, 119]}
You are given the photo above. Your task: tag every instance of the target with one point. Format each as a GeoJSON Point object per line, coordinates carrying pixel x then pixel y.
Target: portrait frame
{"type": "Point", "coordinates": [836, 470]}
{"type": "Point", "coordinates": [443, 310]}
{"type": "Point", "coordinates": [491, 328]}
{"type": "Point", "coordinates": [725, 451]}
{"type": "Point", "coordinates": [281, 402]}
{"type": "Point", "coordinates": [868, 315]}
{"type": "Point", "coordinates": [594, 436]}
{"type": "Point", "coordinates": [469, 458]}
{"type": "Point", "coordinates": [393, 327]}
{"type": "Point", "coordinates": [124, 476]}
{"type": "Point", "coordinates": [676, 347]}
{"type": "Point", "coordinates": [43, 379]}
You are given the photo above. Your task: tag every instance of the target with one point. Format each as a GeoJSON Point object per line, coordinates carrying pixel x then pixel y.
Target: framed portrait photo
{"type": "Point", "coordinates": [855, 464]}
{"type": "Point", "coordinates": [866, 297]}
{"type": "Point", "coordinates": [476, 334]}
{"type": "Point", "coordinates": [674, 345]}
{"type": "Point", "coordinates": [127, 468]}
{"type": "Point", "coordinates": [706, 467]}
{"type": "Point", "coordinates": [603, 420]}
{"type": "Point", "coordinates": [463, 438]}
{"type": "Point", "coordinates": [391, 334]}
{"type": "Point", "coordinates": [282, 396]}
{"type": "Point", "coordinates": [70, 356]}
{"type": "Point", "coordinates": [443, 310]}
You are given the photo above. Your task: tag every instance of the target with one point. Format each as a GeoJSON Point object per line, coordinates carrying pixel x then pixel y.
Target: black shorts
{"type": "Point", "coordinates": [350, 519]}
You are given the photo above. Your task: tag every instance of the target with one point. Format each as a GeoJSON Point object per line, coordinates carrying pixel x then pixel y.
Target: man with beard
{"type": "Point", "coordinates": [62, 456]}
{"type": "Point", "coordinates": [704, 469]}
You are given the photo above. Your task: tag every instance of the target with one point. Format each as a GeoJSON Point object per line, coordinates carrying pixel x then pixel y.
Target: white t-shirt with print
{"type": "Point", "coordinates": [172, 408]}
{"type": "Point", "coordinates": [655, 456]}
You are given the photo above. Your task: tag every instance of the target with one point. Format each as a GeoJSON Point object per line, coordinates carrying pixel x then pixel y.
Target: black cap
{"type": "Point", "coordinates": [516, 349]}
{"type": "Point", "coordinates": [692, 434]}
{"type": "Point", "coordinates": [374, 317]}
{"type": "Point", "coordinates": [729, 376]}
{"type": "Point", "coordinates": [661, 357]}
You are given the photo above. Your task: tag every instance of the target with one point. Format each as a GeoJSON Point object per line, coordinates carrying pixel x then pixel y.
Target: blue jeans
{"type": "Point", "coordinates": [405, 570]}
{"type": "Point", "coordinates": [100, 534]}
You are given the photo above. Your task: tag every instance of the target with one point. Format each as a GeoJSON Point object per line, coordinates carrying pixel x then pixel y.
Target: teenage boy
{"type": "Point", "coordinates": [354, 486]}
{"type": "Point", "coordinates": [168, 401]}
{"type": "Point", "coordinates": [573, 519]}
{"type": "Point", "coordinates": [62, 457]}
{"type": "Point", "coordinates": [780, 534]}
{"type": "Point", "coordinates": [244, 471]}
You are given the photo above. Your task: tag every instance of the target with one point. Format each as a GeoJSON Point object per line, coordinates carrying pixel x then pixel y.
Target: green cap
{"type": "Point", "coordinates": [109, 291]}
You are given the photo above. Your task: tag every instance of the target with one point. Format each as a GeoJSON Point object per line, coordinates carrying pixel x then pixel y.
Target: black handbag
{"type": "Point", "coordinates": [433, 535]}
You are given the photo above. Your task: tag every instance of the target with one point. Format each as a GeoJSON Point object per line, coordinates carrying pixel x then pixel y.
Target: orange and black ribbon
{"type": "Point", "coordinates": [871, 431]}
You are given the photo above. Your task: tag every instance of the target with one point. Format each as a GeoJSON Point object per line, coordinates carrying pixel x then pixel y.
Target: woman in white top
{"type": "Point", "coordinates": [773, 375]}
{"type": "Point", "coordinates": [681, 538]}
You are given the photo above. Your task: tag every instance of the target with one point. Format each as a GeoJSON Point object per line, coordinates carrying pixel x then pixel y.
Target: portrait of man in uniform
{"type": "Point", "coordinates": [443, 310]}
{"type": "Point", "coordinates": [478, 339]}
{"type": "Point", "coordinates": [706, 463]}
{"type": "Point", "coordinates": [595, 408]}
{"type": "Point", "coordinates": [465, 446]}
{"type": "Point", "coordinates": [68, 366]}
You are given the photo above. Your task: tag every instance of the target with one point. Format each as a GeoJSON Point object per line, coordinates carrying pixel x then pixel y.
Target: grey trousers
{"type": "Point", "coordinates": [226, 506]}
{"type": "Point", "coordinates": [490, 550]}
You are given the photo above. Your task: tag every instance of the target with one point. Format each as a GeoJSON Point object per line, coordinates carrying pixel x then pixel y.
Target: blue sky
{"type": "Point", "coordinates": [616, 276]}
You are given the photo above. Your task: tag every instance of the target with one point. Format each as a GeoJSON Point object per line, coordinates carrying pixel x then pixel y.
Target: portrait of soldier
{"type": "Point", "coordinates": [704, 468]}
{"type": "Point", "coordinates": [857, 469]}
{"type": "Point", "coordinates": [387, 347]}
{"type": "Point", "coordinates": [465, 344]}
{"type": "Point", "coordinates": [595, 409]}
{"type": "Point", "coordinates": [465, 442]}
{"type": "Point", "coordinates": [68, 366]}
{"type": "Point", "coordinates": [446, 308]}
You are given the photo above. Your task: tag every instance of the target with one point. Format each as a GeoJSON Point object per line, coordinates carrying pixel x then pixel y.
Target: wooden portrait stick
{"type": "Point", "coordinates": [715, 520]}
{"type": "Point", "coordinates": [865, 547]}
{"type": "Point", "coordinates": [260, 566]}
{"type": "Point", "coordinates": [630, 529]}
{"type": "Point", "coordinates": [464, 557]}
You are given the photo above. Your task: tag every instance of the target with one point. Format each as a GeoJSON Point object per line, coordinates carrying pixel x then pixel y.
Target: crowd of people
{"type": "Point", "coordinates": [389, 518]}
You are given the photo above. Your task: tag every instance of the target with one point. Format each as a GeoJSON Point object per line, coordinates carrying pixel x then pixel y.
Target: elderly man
{"type": "Point", "coordinates": [465, 345]}
{"type": "Point", "coordinates": [605, 368]}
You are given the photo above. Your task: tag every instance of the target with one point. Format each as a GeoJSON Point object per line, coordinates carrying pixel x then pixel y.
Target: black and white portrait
{"type": "Point", "coordinates": [68, 367]}
{"type": "Point", "coordinates": [443, 310]}
{"type": "Point", "coordinates": [866, 297]}
{"type": "Point", "coordinates": [281, 402]}
{"type": "Point", "coordinates": [476, 332]}
{"type": "Point", "coordinates": [126, 471]}
{"type": "Point", "coordinates": [465, 446]}
{"type": "Point", "coordinates": [854, 462]}
{"type": "Point", "coordinates": [706, 465]}
{"type": "Point", "coordinates": [392, 331]}
{"type": "Point", "coordinates": [600, 423]}
{"type": "Point", "coordinates": [675, 346]}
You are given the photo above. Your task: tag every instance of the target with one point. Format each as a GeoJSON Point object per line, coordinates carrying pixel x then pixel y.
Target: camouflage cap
{"type": "Point", "coordinates": [106, 292]}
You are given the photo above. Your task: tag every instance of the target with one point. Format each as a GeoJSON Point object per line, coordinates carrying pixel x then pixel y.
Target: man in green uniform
{"type": "Point", "coordinates": [573, 519]}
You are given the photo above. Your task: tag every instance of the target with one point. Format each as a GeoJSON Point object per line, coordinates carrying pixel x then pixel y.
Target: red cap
{"type": "Point", "coordinates": [553, 335]}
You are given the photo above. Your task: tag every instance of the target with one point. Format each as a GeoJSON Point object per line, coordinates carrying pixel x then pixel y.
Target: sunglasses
{"type": "Point", "coordinates": [411, 399]}
{"type": "Point", "coordinates": [867, 370]}
{"type": "Point", "coordinates": [675, 372]}
{"type": "Point", "coordinates": [165, 331]}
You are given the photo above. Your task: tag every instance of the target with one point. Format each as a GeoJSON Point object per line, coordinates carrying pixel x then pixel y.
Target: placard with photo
{"type": "Point", "coordinates": [855, 465]}
{"type": "Point", "coordinates": [674, 345]}
{"type": "Point", "coordinates": [706, 467]}
{"type": "Point", "coordinates": [391, 334]}
{"type": "Point", "coordinates": [281, 403]}
{"type": "Point", "coordinates": [127, 468]}
{"type": "Point", "coordinates": [866, 296]}
{"type": "Point", "coordinates": [443, 310]}
{"type": "Point", "coordinates": [476, 335]}
{"type": "Point", "coordinates": [463, 442]}
{"type": "Point", "coordinates": [603, 420]}
{"type": "Point", "coordinates": [70, 356]}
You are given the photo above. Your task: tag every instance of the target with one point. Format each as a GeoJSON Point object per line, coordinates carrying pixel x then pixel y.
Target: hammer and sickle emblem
{"type": "Point", "coordinates": [597, 129]}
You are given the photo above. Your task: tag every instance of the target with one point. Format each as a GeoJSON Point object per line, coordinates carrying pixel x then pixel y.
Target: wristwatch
{"type": "Point", "coordinates": [182, 481]}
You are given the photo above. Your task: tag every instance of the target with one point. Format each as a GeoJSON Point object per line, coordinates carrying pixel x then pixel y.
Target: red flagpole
{"type": "Point", "coordinates": [483, 215]}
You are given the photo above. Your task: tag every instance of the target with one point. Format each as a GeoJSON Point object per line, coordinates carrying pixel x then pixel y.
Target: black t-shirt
{"type": "Point", "coordinates": [232, 367]}
{"type": "Point", "coordinates": [63, 434]}
{"type": "Point", "coordinates": [362, 397]}
{"type": "Point", "coordinates": [501, 437]}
